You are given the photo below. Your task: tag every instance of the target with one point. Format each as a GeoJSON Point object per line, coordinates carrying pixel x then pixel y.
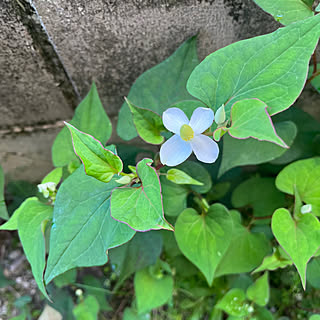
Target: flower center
{"type": "Point", "coordinates": [186, 132]}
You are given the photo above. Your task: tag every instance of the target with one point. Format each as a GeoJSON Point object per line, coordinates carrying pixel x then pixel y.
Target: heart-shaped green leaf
{"type": "Point", "coordinates": [250, 151]}
{"type": "Point", "coordinates": [300, 239]}
{"type": "Point", "coordinates": [286, 11]}
{"type": "Point", "coordinates": [204, 239]}
{"type": "Point", "coordinates": [99, 162]}
{"type": "Point", "coordinates": [259, 291]}
{"type": "Point", "coordinates": [83, 229]}
{"type": "Point", "coordinates": [250, 119]}
{"type": "Point", "coordinates": [169, 77]}
{"type": "Point", "coordinates": [148, 124]}
{"type": "Point", "coordinates": [89, 117]}
{"type": "Point", "coordinates": [141, 207]}
{"type": "Point", "coordinates": [3, 208]}
{"type": "Point", "coordinates": [304, 176]}
{"type": "Point", "coordinates": [264, 69]}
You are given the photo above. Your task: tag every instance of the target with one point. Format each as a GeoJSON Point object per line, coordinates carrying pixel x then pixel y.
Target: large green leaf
{"type": "Point", "coordinates": [250, 151]}
{"type": "Point", "coordinates": [260, 194]}
{"type": "Point", "coordinates": [148, 124]}
{"type": "Point", "coordinates": [304, 176]}
{"type": "Point", "coordinates": [160, 87]}
{"type": "Point", "coordinates": [99, 162]}
{"type": "Point", "coordinates": [89, 117]}
{"type": "Point", "coordinates": [83, 229]}
{"type": "Point", "coordinates": [28, 220]}
{"type": "Point", "coordinates": [286, 11]}
{"type": "Point", "coordinates": [142, 251]}
{"type": "Point", "coordinates": [3, 208]}
{"type": "Point", "coordinates": [259, 291]}
{"type": "Point", "coordinates": [204, 239]}
{"type": "Point", "coordinates": [250, 119]}
{"type": "Point", "coordinates": [272, 68]}
{"type": "Point", "coordinates": [246, 250]}
{"type": "Point", "coordinates": [152, 292]}
{"type": "Point", "coordinates": [300, 239]}
{"type": "Point", "coordinates": [141, 207]}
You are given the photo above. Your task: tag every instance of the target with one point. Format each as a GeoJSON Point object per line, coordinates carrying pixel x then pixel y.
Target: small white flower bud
{"type": "Point", "coordinates": [307, 208]}
{"type": "Point", "coordinates": [220, 116]}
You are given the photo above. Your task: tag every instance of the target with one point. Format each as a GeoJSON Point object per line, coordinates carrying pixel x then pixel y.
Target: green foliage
{"type": "Point", "coordinates": [3, 208]}
{"type": "Point", "coordinates": [98, 162]}
{"type": "Point", "coordinates": [179, 177]}
{"type": "Point", "coordinates": [313, 271]}
{"type": "Point", "coordinates": [210, 80]}
{"type": "Point", "coordinates": [89, 117]}
{"type": "Point", "coordinates": [316, 81]}
{"type": "Point", "coordinates": [259, 291]}
{"type": "Point", "coordinates": [54, 176]}
{"type": "Point", "coordinates": [304, 176]}
{"type": "Point", "coordinates": [204, 238]}
{"type": "Point", "coordinates": [140, 207]}
{"type": "Point", "coordinates": [300, 238]}
{"type": "Point", "coordinates": [169, 77]}
{"type": "Point", "coordinates": [83, 229]}
{"type": "Point", "coordinates": [286, 11]}
{"type": "Point", "coordinates": [87, 310]}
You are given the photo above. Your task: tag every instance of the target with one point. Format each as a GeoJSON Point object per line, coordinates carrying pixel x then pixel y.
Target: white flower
{"type": "Point", "coordinates": [188, 137]}
{"type": "Point", "coordinates": [45, 188]}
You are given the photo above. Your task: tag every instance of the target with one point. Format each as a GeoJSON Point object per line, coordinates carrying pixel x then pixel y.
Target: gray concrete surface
{"type": "Point", "coordinates": [52, 50]}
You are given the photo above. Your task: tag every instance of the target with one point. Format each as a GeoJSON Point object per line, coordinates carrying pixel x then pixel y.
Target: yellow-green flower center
{"type": "Point", "coordinates": [186, 132]}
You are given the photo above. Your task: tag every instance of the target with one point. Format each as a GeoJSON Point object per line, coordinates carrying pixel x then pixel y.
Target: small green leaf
{"type": "Point", "coordinates": [3, 209]}
{"type": "Point", "coordinates": [160, 87]}
{"type": "Point", "coordinates": [304, 175]}
{"type": "Point", "coordinates": [234, 303]}
{"type": "Point", "coordinates": [315, 81]}
{"type": "Point", "coordinates": [142, 251]}
{"type": "Point", "coordinates": [259, 291]}
{"type": "Point", "coordinates": [141, 207]}
{"type": "Point", "coordinates": [89, 117]}
{"type": "Point", "coordinates": [246, 250]}
{"type": "Point", "coordinates": [87, 309]}
{"type": "Point", "coordinates": [180, 177]}
{"type": "Point", "coordinates": [250, 151]}
{"type": "Point", "coordinates": [54, 176]}
{"type": "Point", "coordinates": [315, 317]}
{"type": "Point", "coordinates": [148, 124]}
{"type": "Point", "coordinates": [264, 69]}
{"type": "Point", "coordinates": [250, 119]}
{"type": "Point", "coordinates": [151, 292]}
{"type": "Point", "coordinates": [300, 239]}
{"type": "Point", "coordinates": [132, 314]}
{"type": "Point", "coordinates": [83, 229]}
{"type": "Point", "coordinates": [66, 278]}
{"type": "Point", "coordinates": [287, 11]}
{"type": "Point", "coordinates": [204, 239]}
{"type": "Point", "coordinates": [99, 162]}
{"type": "Point", "coordinates": [313, 272]}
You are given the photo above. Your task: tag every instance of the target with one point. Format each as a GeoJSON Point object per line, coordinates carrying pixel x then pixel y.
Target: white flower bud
{"type": "Point", "coordinates": [220, 116]}
{"type": "Point", "coordinates": [307, 208]}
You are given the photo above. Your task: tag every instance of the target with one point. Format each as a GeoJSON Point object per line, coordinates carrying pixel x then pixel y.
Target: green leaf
{"type": "Point", "coordinates": [316, 81]}
{"type": "Point", "coordinates": [250, 119]}
{"type": "Point", "coordinates": [259, 291]}
{"type": "Point", "coordinates": [179, 177]}
{"type": "Point", "coordinates": [250, 151]}
{"type": "Point", "coordinates": [143, 250]}
{"type": "Point", "coordinates": [286, 11]}
{"type": "Point", "coordinates": [148, 124]}
{"type": "Point", "coordinates": [273, 262]}
{"type": "Point", "coordinates": [262, 314]}
{"type": "Point", "coordinates": [83, 229]}
{"type": "Point", "coordinates": [89, 117]}
{"type": "Point", "coordinates": [169, 77]}
{"type": "Point", "coordinates": [300, 239]}
{"type": "Point", "coordinates": [54, 176]}
{"type": "Point", "coordinates": [99, 162]}
{"type": "Point", "coordinates": [234, 303]}
{"type": "Point", "coordinates": [87, 310]}
{"type": "Point", "coordinates": [66, 278]}
{"type": "Point", "coordinates": [271, 68]}
{"type": "Point", "coordinates": [304, 175]}
{"type": "Point", "coordinates": [317, 9]}
{"type": "Point", "coordinates": [28, 222]}
{"type": "Point", "coordinates": [246, 250]}
{"type": "Point", "coordinates": [315, 317]}
{"type": "Point", "coordinates": [132, 314]}
{"type": "Point", "coordinates": [141, 207]}
{"type": "Point", "coordinates": [313, 273]}
{"type": "Point", "coordinates": [3, 209]}
{"type": "Point", "coordinates": [151, 292]}
{"type": "Point", "coordinates": [260, 194]}
{"type": "Point", "coordinates": [204, 239]}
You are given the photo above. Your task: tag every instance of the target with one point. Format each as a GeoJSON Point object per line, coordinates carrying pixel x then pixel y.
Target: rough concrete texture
{"type": "Point", "coordinates": [28, 93]}
{"type": "Point", "coordinates": [109, 41]}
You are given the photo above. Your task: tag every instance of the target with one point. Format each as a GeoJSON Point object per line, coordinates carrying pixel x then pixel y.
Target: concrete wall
{"type": "Point", "coordinates": [52, 50]}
